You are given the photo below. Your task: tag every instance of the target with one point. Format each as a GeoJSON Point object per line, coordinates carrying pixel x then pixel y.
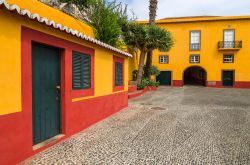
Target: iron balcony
{"type": "Point", "coordinates": [232, 45]}
{"type": "Point", "coordinates": [195, 46]}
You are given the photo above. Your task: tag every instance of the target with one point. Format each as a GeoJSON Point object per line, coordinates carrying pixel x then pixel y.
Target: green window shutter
{"type": "Point", "coordinates": [81, 71]}
{"type": "Point", "coordinates": [86, 71]}
{"type": "Point", "coordinates": [118, 74]}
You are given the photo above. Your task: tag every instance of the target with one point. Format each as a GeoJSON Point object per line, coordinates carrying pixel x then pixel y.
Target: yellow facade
{"type": "Point", "coordinates": [10, 59]}
{"type": "Point", "coordinates": [211, 58]}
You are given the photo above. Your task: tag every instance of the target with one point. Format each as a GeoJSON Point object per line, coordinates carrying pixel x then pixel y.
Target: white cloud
{"type": "Point", "coordinates": [176, 8]}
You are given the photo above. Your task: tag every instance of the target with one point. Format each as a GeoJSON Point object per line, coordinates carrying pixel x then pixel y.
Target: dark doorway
{"type": "Point", "coordinates": [227, 78]}
{"type": "Point", "coordinates": [195, 75]}
{"type": "Point", "coordinates": [165, 78]}
{"type": "Point", "coordinates": [45, 92]}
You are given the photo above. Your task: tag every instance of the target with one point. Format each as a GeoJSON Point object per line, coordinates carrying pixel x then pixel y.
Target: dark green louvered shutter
{"type": "Point", "coordinates": [81, 71]}
{"type": "Point", "coordinates": [118, 74]}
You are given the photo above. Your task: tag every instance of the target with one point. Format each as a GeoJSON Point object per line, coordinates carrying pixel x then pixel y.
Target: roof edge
{"type": "Point", "coordinates": [197, 19]}
{"type": "Point", "coordinates": [51, 23]}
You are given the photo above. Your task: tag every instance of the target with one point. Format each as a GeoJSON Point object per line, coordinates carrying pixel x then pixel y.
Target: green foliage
{"type": "Point", "coordinates": [107, 18]}
{"type": "Point", "coordinates": [135, 35]}
{"type": "Point", "coordinates": [159, 38]}
{"type": "Point", "coordinates": [154, 71]}
{"type": "Point", "coordinates": [147, 37]}
{"type": "Point", "coordinates": [147, 83]}
{"type": "Point", "coordinates": [140, 86]}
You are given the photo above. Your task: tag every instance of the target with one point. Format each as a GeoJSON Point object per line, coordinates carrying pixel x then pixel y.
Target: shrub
{"type": "Point", "coordinates": [147, 83]}
{"type": "Point", "coordinates": [140, 86]}
{"type": "Point", "coordinates": [154, 71]}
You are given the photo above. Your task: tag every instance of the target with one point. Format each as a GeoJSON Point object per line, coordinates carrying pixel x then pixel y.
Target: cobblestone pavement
{"type": "Point", "coordinates": [190, 125]}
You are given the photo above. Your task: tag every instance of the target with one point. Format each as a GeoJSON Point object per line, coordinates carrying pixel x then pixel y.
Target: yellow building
{"type": "Point", "coordinates": [208, 50]}
{"type": "Point", "coordinates": [55, 78]}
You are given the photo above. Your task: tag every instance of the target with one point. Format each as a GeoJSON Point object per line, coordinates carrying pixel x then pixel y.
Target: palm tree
{"type": "Point", "coordinates": [152, 15]}
{"type": "Point", "coordinates": [146, 39]}
{"type": "Point", "coordinates": [152, 11]}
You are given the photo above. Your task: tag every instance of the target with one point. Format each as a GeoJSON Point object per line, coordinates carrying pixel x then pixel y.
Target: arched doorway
{"type": "Point", "coordinates": [195, 75]}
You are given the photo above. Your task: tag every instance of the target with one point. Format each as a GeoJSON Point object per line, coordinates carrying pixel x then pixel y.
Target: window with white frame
{"type": "Point", "coordinates": [228, 58]}
{"type": "Point", "coordinates": [195, 40]}
{"type": "Point", "coordinates": [229, 36]}
{"type": "Point", "coordinates": [163, 59]}
{"type": "Point", "coordinates": [194, 58]}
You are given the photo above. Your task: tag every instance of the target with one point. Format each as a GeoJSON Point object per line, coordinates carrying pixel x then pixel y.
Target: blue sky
{"type": "Point", "coordinates": [176, 8]}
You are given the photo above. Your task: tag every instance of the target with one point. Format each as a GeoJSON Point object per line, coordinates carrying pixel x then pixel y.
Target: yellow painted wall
{"type": "Point", "coordinates": [10, 61]}
{"type": "Point", "coordinates": [211, 59]}
{"type": "Point", "coordinates": [34, 6]}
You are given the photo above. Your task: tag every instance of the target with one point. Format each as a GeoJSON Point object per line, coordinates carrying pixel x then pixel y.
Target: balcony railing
{"type": "Point", "coordinates": [195, 46]}
{"type": "Point", "coordinates": [230, 44]}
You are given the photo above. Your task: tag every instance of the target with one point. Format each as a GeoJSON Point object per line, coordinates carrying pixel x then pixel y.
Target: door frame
{"type": "Point", "coordinates": [171, 76]}
{"type": "Point", "coordinates": [29, 36]}
{"type": "Point", "coordinates": [60, 103]}
{"type": "Point", "coordinates": [232, 70]}
{"type": "Point", "coordinates": [67, 93]}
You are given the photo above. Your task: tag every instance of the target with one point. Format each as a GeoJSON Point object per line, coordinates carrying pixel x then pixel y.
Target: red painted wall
{"type": "Point", "coordinates": [177, 83]}
{"type": "Point", "coordinates": [16, 129]}
{"type": "Point", "coordinates": [218, 84]}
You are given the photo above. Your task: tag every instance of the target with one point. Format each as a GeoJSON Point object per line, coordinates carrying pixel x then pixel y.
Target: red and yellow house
{"type": "Point", "coordinates": [55, 79]}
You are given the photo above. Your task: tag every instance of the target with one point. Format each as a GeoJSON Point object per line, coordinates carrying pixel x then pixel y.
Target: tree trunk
{"type": "Point", "coordinates": [148, 64]}
{"type": "Point", "coordinates": [152, 15]}
{"type": "Point", "coordinates": [141, 64]}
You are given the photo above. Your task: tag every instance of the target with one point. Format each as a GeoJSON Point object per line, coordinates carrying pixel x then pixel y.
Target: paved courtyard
{"type": "Point", "coordinates": [190, 125]}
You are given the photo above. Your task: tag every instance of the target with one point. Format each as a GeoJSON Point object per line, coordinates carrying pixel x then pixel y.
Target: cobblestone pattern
{"type": "Point", "coordinates": [190, 125]}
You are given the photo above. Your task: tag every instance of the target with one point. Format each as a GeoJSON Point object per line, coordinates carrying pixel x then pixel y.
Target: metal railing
{"type": "Point", "coordinates": [229, 44]}
{"type": "Point", "coordinates": [195, 46]}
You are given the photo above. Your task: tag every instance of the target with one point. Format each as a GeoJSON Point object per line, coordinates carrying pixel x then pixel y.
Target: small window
{"type": "Point", "coordinates": [195, 38]}
{"type": "Point", "coordinates": [194, 58]}
{"type": "Point", "coordinates": [118, 74]}
{"type": "Point", "coordinates": [163, 59]}
{"type": "Point", "coordinates": [81, 71]}
{"type": "Point", "coordinates": [229, 58]}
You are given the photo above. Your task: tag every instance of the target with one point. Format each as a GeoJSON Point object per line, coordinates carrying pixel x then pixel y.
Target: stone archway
{"type": "Point", "coordinates": [195, 75]}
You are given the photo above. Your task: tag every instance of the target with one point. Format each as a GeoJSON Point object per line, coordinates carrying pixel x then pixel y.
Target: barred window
{"type": "Point", "coordinates": [118, 74]}
{"type": "Point", "coordinates": [163, 59]}
{"type": "Point", "coordinates": [228, 58]}
{"type": "Point", "coordinates": [195, 40]}
{"type": "Point", "coordinates": [194, 58]}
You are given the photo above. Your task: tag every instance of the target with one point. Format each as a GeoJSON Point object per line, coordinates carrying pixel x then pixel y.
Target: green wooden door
{"type": "Point", "coordinates": [165, 78]}
{"type": "Point", "coordinates": [228, 78]}
{"type": "Point", "coordinates": [45, 95]}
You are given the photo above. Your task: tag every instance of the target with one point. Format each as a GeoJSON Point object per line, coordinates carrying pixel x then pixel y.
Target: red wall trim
{"type": "Point", "coordinates": [16, 129]}
{"type": "Point", "coordinates": [177, 83]}
{"type": "Point", "coordinates": [121, 60]}
{"type": "Point", "coordinates": [217, 84]}
{"type": "Point", "coordinates": [237, 84]}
